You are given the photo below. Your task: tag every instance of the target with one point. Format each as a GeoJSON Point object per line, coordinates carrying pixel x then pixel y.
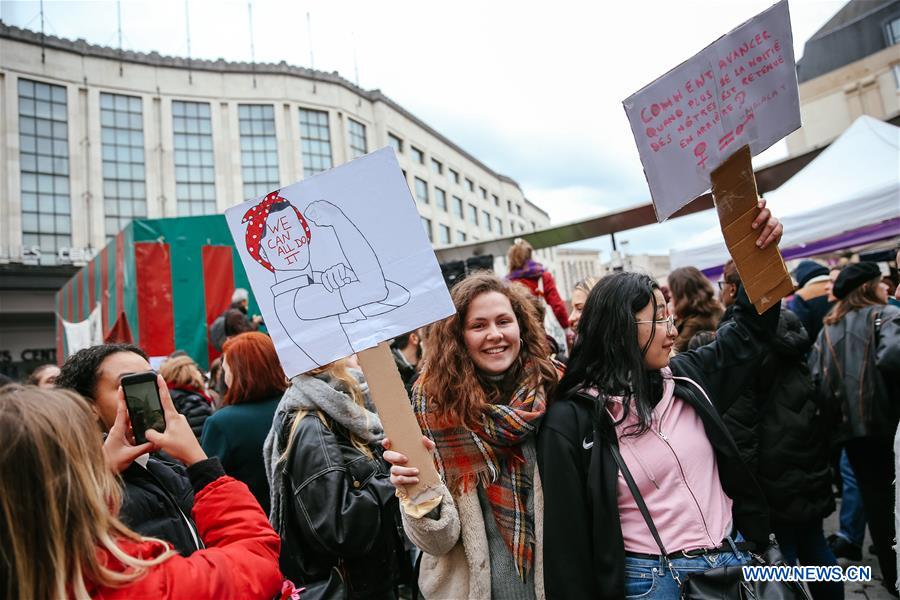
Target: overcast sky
{"type": "Point", "coordinates": [533, 89]}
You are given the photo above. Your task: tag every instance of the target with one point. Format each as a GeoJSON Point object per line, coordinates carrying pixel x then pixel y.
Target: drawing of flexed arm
{"type": "Point", "coordinates": [357, 284]}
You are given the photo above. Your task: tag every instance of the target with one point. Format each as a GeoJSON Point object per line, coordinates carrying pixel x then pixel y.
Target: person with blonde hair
{"type": "Point", "coordinates": [536, 278]}
{"type": "Point", "coordinates": [60, 535]}
{"type": "Point", "coordinates": [331, 497]}
{"type": "Point", "coordinates": [187, 388]}
{"type": "Point", "coordinates": [579, 297]}
{"type": "Point", "coordinates": [480, 401]}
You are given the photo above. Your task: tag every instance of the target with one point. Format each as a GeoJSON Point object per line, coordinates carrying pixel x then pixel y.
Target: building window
{"type": "Point", "coordinates": [437, 167]}
{"type": "Point", "coordinates": [470, 184]}
{"type": "Point", "coordinates": [122, 148]}
{"type": "Point", "coordinates": [315, 141]}
{"type": "Point", "coordinates": [426, 223]}
{"type": "Point", "coordinates": [486, 219]}
{"type": "Point", "coordinates": [533, 226]}
{"type": "Point", "coordinates": [519, 209]}
{"type": "Point", "coordinates": [457, 207]}
{"type": "Point", "coordinates": [44, 166]}
{"type": "Point", "coordinates": [496, 199]}
{"type": "Point", "coordinates": [421, 190]}
{"type": "Point", "coordinates": [195, 182]}
{"type": "Point", "coordinates": [499, 224]}
{"type": "Point", "coordinates": [509, 206]}
{"type": "Point", "coordinates": [454, 176]}
{"type": "Point", "coordinates": [395, 143]}
{"type": "Point", "coordinates": [893, 31]}
{"type": "Point", "coordinates": [440, 198]}
{"type": "Point", "coordinates": [358, 145]}
{"type": "Point", "coordinates": [483, 193]}
{"type": "Point", "coordinates": [460, 236]}
{"type": "Point", "coordinates": [443, 234]}
{"type": "Point", "coordinates": [417, 155]}
{"type": "Point", "coordinates": [473, 214]}
{"type": "Point", "coordinates": [259, 149]}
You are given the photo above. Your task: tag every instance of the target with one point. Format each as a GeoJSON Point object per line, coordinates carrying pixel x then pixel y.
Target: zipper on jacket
{"type": "Point", "coordinates": [665, 440]}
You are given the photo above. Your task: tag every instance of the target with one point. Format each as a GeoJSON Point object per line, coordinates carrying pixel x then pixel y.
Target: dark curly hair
{"type": "Point", "coordinates": [80, 371]}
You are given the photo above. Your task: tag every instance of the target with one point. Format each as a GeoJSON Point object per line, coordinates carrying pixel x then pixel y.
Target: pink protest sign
{"type": "Point", "coordinates": [741, 89]}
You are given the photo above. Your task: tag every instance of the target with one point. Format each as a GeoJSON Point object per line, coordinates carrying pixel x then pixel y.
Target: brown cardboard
{"type": "Point", "coordinates": [762, 271]}
{"type": "Point", "coordinates": [400, 424]}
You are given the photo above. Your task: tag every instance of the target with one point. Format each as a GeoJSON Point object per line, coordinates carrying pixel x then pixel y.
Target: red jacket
{"type": "Point", "coordinates": [551, 295]}
{"type": "Point", "coordinates": [240, 560]}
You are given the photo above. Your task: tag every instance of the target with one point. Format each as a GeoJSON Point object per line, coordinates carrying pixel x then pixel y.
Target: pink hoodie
{"type": "Point", "coordinates": [675, 469]}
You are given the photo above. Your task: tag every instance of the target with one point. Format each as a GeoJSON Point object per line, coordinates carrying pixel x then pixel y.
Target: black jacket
{"type": "Point", "coordinates": [157, 501]}
{"type": "Point", "coordinates": [855, 364]}
{"type": "Point", "coordinates": [341, 511]}
{"type": "Point", "coordinates": [193, 406]}
{"type": "Point", "coordinates": [779, 427]}
{"type": "Point", "coordinates": [584, 555]}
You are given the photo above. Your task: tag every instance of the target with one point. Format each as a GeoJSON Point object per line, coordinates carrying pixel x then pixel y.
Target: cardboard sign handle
{"type": "Point", "coordinates": [400, 424]}
{"type": "Point", "coordinates": [762, 271]}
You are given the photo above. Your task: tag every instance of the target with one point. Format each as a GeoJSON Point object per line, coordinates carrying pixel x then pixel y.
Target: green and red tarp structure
{"type": "Point", "coordinates": [160, 284]}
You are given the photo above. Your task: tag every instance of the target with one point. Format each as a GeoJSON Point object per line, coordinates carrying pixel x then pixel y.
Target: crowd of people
{"type": "Point", "coordinates": [680, 431]}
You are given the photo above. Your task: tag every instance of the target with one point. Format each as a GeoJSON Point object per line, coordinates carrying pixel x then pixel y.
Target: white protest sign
{"type": "Point", "coordinates": [339, 262]}
{"type": "Point", "coordinates": [741, 89]}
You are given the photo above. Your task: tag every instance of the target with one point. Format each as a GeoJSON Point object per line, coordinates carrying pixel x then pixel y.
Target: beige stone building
{"type": "Point", "coordinates": [93, 137]}
{"type": "Point", "coordinates": [849, 68]}
{"type": "Point", "coordinates": [573, 265]}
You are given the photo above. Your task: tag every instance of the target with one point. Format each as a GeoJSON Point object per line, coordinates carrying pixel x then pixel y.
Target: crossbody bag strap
{"type": "Point", "coordinates": [638, 498]}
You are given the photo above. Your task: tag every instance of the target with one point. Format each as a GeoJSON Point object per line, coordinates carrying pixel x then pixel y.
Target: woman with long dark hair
{"type": "Point", "coordinates": [624, 401]}
{"type": "Point", "coordinates": [480, 399]}
{"type": "Point", "coordinates": [695, 305]}
{"type": "Point", "coordinates": [855, 364]}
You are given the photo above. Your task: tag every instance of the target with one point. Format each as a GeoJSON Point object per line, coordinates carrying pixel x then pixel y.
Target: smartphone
{"type": "Point", "coordinates": [144, 407]}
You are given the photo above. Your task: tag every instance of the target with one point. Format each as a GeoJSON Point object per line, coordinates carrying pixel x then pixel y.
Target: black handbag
{"type": "Point", "coordinates": [718, 583]}
{"type": "Point", "coordinates": [332, 588]}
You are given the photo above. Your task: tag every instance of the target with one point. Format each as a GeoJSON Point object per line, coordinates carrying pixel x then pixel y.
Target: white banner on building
{"type": "Point", "coordinates": [84, 334]}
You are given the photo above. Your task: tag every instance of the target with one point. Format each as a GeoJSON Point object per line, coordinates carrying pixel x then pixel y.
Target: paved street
{"type": "Point", "coordinates": [857, 591]}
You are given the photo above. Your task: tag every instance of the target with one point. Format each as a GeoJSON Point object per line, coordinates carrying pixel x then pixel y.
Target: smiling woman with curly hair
{"type": "Point", "coordinates": [480, 400]}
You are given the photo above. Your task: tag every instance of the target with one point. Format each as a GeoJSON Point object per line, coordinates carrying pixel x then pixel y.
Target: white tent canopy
{"type": "Point", "coordinates": [853, 184]}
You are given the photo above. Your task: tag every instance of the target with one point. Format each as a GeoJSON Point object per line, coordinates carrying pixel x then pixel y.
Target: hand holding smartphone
{"type": "Point", "coordinates": [144, 406]}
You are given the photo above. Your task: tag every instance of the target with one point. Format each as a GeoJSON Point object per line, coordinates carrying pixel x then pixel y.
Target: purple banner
{"type": "Point", "coordinates": [848, 239]}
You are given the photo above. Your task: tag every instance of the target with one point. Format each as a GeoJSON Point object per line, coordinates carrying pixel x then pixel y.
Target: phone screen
{"type": "Point", "coordinates": [144, 408]}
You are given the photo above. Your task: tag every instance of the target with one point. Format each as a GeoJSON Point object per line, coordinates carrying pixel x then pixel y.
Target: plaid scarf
{"type": "Point", "coordinates": [491, 455]}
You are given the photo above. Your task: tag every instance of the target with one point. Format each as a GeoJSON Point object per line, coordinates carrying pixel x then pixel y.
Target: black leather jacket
{"type": "Point", "coordinates": [342, 512]}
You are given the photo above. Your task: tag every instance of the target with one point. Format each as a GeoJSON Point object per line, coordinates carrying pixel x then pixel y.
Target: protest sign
{"type": "Point", "coordinates": [740, 90]}
{"type": "Point", "coordinates": [338, 263]}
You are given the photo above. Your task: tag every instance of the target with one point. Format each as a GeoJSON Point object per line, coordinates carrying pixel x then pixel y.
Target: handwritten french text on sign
{"type": "Point", "coordinates": [339, 262]}
{"type": "Point", "coordinates": [741, 89]}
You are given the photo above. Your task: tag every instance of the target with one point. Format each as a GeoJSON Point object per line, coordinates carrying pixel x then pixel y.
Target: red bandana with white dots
{"type": "Point", "coordinates": [256, 219]}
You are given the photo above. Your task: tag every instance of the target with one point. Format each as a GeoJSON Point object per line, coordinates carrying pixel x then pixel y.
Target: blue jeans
{"type": "Point", "coordinates": [651, 579]}
{"type": "Point", "coordinates": [806, 542]}
{"type": "Point", "coordinates": [852, 518]}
